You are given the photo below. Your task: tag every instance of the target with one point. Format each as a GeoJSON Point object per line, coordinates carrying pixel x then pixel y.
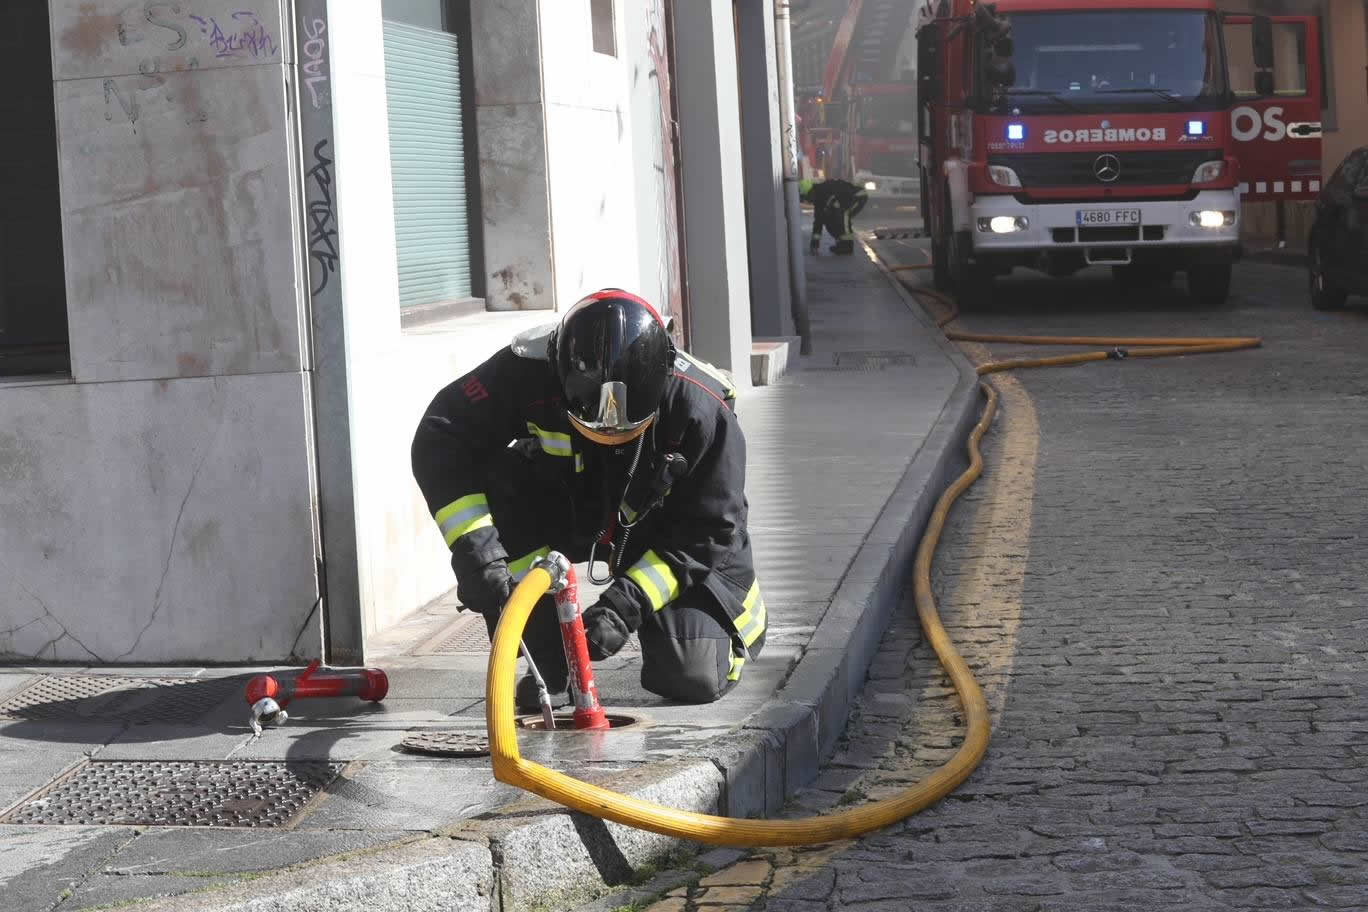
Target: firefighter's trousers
{"type": "Point", "coordinates": [689, 650]}
{"type": "Point", "coordinates": [837, 219]}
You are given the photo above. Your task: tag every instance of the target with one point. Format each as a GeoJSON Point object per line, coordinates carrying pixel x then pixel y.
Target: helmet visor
{"type": "Point", "coordinates": [610, 424]}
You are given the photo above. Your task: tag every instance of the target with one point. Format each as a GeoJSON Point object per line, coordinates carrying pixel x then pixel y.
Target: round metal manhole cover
{"type": "Point", "coordinates": [565, 722]}
{"type": "Point", "coordinates": [446, 744]}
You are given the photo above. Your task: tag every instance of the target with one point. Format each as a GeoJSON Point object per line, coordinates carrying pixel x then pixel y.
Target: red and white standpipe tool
{"type": "Point", "coordinates": [588, 711]}
{"type": "Point", "coordinates": [268, 696]}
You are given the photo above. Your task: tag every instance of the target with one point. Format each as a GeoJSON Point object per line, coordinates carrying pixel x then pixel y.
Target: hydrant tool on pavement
{"type": "Point", "coordinates": [268, 695]}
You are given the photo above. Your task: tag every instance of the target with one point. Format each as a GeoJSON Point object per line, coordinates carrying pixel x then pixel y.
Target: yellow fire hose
{"type": "Point", "coordinates": [510, 767]}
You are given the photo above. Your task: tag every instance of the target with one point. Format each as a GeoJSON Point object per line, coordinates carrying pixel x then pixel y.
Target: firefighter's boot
{"type": "Point", "coordinates": [845, 247]}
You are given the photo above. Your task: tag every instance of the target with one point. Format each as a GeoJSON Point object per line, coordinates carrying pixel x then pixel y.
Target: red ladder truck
{"type": "Point", "coordinates": [1059, 134]}
{"type": "Point", "coordinates": [868, 129]}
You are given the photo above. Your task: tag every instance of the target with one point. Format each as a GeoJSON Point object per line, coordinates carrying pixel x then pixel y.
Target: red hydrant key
{"type": "Point", "coordinates": [588, 711]}
{"type": "Point", "coordinates": [370, 684]}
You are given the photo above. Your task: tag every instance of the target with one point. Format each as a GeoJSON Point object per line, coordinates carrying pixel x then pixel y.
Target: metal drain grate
{"type": "Point", "coordinates": [244, 793]}
{"type": "Point", "coordinates": [870, 360]}
{"type": "Point", "coordinates": [467, 635]}
{"type": "Point", "coordinates": [105, 698]}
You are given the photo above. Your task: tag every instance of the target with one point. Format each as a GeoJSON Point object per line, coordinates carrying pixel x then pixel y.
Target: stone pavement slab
{"type": "Point", "coordinates": [846, 456]}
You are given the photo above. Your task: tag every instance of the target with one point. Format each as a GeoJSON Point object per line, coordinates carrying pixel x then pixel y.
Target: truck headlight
{"type": "Point", "coordinates": [1212, 218]}
{"type": "Point", "coordinates": [1003, 176]}
{"type": "Point", "coordinates": [1208, 172]}
{"type": "Point", "coordinates": [1003, 224]}
{"type": "Point", "coordinates": [870, 185]}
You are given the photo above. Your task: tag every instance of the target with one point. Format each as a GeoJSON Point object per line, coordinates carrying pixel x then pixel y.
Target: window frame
{"type": "Point", "coordinates": [603, 27]}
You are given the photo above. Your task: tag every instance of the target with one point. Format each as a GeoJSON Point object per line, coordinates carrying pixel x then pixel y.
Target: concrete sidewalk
{"type": "Point", "coordinates": [847, 456]}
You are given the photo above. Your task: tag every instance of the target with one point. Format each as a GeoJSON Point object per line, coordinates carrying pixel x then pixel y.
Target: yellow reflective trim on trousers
{"type": "Point", "coordinates": [523, 565]}
{"type": "Point", "coordinates": [461, 517]}
{"type": "Point", "coordinates": [656, 579]}
{"type": "Point", "coordinates": [750, 623]}
{"type": "Point", "coordinates": [737, 663]}
{"type": "Point", "coordinates": [553, 443]}
{"type": "Point", "coordinates": [757, 626]}
{"type": "Point", "coordinates": [752, 596]}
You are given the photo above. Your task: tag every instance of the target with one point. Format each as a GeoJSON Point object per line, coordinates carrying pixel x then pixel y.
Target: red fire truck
{"type": "Point", "coordinates": [866, 129]}
{"type": "Point", "coordinates": [1058, 134]}
{"type": "Point", "coordinates": [877, 149]}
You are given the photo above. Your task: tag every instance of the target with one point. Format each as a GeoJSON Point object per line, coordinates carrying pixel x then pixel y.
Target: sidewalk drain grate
{"type": "Point", "coordinates": [242, 793]}
{"type": "Point", "coordinates": [870, 360]}
{"type": "Point", "coordinates": [467, 635]}
{"type": "Point", "coordinates": [107, 698]}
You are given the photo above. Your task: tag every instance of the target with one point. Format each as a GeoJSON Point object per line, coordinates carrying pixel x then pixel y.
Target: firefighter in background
{"type": "Point", "coordinates": [835, 203]}
{"type": "Point", "coordinates": [599, 440]}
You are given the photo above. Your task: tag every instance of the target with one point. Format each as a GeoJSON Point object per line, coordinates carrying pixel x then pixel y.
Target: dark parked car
{"type": "Point", "coordinates": [1338, 247]}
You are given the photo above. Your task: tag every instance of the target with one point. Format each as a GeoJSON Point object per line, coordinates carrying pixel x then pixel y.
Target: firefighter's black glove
{"type": "Point", "coordinates": [486, 590]}
{"type": "Point", "coordinates": [606, 632]}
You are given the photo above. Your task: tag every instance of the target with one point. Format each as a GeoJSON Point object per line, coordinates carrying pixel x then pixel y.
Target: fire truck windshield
{"type": "Point", "coordinates": [888, 115]}
{"type": "Point", "coordinates": [1116, 60]}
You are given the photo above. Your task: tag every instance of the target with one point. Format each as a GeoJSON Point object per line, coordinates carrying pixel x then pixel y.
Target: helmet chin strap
{"type": "Point", "coordinates": [615, 550]}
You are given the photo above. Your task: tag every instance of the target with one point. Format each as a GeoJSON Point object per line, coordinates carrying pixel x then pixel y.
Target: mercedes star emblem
{"type": "Point", "coordinates": [1107, 168]}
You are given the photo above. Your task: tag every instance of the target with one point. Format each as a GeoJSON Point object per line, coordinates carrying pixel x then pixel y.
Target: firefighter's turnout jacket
{"type": "Point", "coordinates": [693, 541]}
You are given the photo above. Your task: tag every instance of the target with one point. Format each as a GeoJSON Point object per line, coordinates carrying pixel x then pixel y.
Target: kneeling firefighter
{"type": "Point", "coordinates": [599, 440]}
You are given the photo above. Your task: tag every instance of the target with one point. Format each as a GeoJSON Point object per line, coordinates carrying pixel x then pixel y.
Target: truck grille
{"type": "Point", "coordinates": [893, 164]}
{"type": "Point", "coordinates": [1079, 169]}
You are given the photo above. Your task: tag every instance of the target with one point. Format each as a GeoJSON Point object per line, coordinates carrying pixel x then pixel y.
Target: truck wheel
{"type": "Point", "coordinates": [1210, 284]}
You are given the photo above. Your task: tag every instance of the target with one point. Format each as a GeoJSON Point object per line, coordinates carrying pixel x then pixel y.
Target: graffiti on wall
{"type": "Point", "coordinates": [172, 36]}
{"type": "Point", "coordinates": [315, 61]}
{"type": "Point", "coordinates": [322, 219]}
{"type": "Point", "coordinates": [169, 37]}
{"type": "Point", "coordinates": [245, 37]}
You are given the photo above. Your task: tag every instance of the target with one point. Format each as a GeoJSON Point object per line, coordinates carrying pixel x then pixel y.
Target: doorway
{"type": "Point", "coordinates": [33, 315]}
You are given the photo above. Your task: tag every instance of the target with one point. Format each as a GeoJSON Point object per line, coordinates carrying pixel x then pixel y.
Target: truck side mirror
{"type": "Point", "coordinates": [1264, 62]}
{"type": "Point", "coordinates": [996, 46]}
{"type": "Point", "coordinates": [998, 67]}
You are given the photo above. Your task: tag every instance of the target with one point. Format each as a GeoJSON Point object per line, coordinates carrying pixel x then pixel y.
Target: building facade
{"type": "Point", "coordinates": [244, 245]}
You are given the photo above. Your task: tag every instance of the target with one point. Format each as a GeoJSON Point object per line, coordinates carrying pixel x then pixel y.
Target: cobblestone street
{"type": "Point", "coordinates": [1159, 584]}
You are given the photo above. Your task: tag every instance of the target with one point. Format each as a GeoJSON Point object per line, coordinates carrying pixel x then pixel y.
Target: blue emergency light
{"type": "Point", "coordinates": [1196, 128]}
{"type": "Point", "coordinates": [1016, 132]}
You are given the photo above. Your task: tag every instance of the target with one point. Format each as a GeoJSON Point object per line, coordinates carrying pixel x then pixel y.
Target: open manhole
{"type": "Point", "coordinates": [111, 698]}
{"type": "Point", "coordinates": [467, 635]}
{"type": "Point", "coordinates": [565, 722]}
{"type": "Point", "coordinates": [446, 744]}
{"type": "Point", "coordinates": [237, 793]}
